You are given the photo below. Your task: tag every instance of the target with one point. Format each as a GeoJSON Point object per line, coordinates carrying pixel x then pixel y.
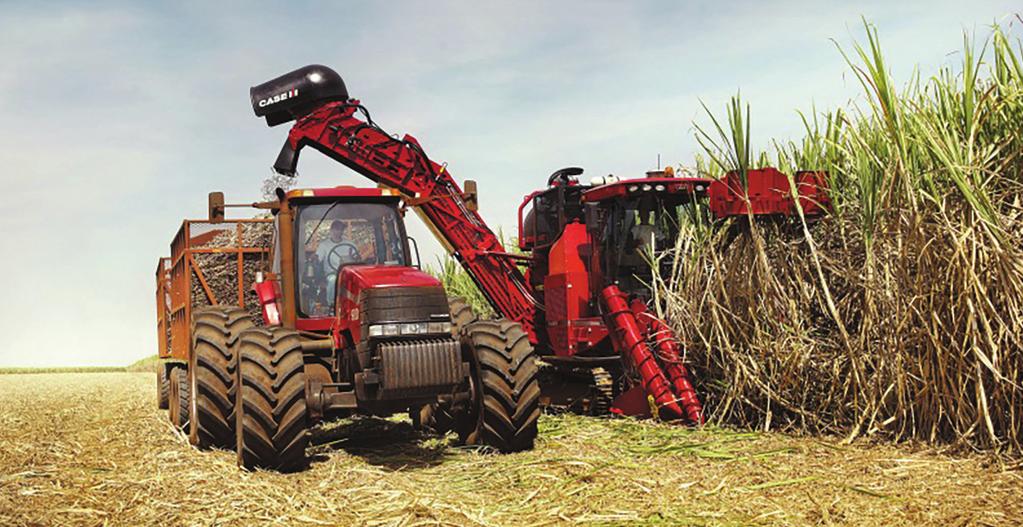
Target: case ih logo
{"type": "Point", "coordinates": [278, 98]}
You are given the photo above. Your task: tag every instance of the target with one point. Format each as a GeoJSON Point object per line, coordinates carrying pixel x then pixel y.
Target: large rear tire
{"type": "Point", "coordinates": [437, 418]}
{"type": "Point", "coordinates": [462, 314]}
{"type": "Point", "coordinates": [179, 399]}
{"type": "Point", "coordinates": [506, 393]}
{"type": "Point", "coordinates": [215, 332]}
{"type": "Point", "coordinates": [162, 387]}
{"type": "Point", "coordinates": [272, 419]}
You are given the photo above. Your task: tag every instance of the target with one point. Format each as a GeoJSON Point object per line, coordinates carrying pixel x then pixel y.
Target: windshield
{"type": "Point", "coordinates": [329, 236]}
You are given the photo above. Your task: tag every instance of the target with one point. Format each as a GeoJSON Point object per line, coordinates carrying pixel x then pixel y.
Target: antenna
{"type": "Point", "coordinates": [658, 161]}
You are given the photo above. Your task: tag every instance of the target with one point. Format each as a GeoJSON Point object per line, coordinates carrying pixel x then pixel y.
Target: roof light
{"type": "Point", "coordinates": [633, 188]}
{"type": "Point", "coordinates": [647, 188]}
{"type": "Point", "coordinates": [659, 188]}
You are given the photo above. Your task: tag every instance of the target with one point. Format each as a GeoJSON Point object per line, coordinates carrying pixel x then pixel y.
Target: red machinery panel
{"type": "Point", "coordinates": [813, 192]}
{"type": "Point", "coordinates": [769, 194]}
{"type": "Point", "coordinates": [567, 287]}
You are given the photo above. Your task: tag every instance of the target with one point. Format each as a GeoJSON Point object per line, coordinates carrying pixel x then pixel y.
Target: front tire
{"type": "Point", "coordinates": [506, 393]}
{"type": "Point", "coordinates": [215, 333]}
{"type": "Point", "coordinates": [272, 419]}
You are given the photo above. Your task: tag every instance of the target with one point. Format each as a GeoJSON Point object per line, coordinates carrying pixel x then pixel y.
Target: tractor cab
{"type": "Point", "coordinates": [322, 236]}
{"type": "Point", "coordinates": [332, 235]}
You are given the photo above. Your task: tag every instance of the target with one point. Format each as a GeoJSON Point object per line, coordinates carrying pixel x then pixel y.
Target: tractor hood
{"type": "Point", "coordinates": [387, 294]}
{"type": "Point", "coordinates": [384, 276]}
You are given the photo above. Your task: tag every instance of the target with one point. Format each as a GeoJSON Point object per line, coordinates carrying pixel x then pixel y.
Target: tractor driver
{"type": "Point", "coordinates": [334, 252]}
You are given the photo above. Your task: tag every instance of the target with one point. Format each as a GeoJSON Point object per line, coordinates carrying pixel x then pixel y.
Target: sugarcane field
{"type": "Point", "coordinates": [512, 264]}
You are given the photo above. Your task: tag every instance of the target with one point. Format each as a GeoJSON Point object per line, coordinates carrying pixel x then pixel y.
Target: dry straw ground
{"type": "Point", "coordinates": [92, 449]}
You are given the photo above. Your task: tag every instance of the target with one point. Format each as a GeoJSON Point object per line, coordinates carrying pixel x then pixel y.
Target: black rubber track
{"type": "Point", "coordinates": [272, 420]}
{"type": "Point", "coordinates": [162, 387]}
{"type": "Point", "coordinates": [437, 418]}
{"type": "Point", "coordinates": [215, 332]}
{"type": "Point", "coordinates": [507, 390]}
{"type": "Point", "coordinates": [179, 401]}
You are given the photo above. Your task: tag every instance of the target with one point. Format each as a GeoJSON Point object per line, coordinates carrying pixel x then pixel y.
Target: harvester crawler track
{"type": "Point", "coordinates": [601, 391]}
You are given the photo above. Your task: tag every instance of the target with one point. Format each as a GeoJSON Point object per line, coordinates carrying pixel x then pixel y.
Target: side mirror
{"type": "Point", "coordinates": [216, 207]}
{"type": "Point", "coordinates": [471, 196]}
{"type": "Point", "coordinates": [415, 247]}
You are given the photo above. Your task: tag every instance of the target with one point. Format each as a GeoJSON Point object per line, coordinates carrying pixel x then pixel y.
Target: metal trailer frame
{"type": "Point", "coordinates": [183, 267]}
{"type": "Point", "coordinates": [163, 304]}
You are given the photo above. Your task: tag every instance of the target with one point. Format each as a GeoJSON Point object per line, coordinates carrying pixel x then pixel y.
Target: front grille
{"type": "Point", "coordinates": [420, 364]}
{"type": "Point", "coordinates": [404, 304]}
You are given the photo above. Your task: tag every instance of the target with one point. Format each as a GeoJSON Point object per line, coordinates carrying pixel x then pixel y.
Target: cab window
{"type": "Point", "coordinates": [330, 236]}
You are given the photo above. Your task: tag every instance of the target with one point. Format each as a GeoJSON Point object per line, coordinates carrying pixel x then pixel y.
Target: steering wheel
{"type": "Point", "coordinates": [343, 252]}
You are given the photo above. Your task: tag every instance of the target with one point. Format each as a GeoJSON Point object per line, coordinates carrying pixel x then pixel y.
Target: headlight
{"type": "Point", "coordinates": [659, 188]}
{"type": "Point", "coordinates": [416, 328]}
{"type": "Point", "coordinates": [409, 328]}
{"type": "Point", "coordinates": [647, 188]}
{"type": "Point", "coordinates": [439, 327]}
{"type": "Point", "coordinates": [633, 188]}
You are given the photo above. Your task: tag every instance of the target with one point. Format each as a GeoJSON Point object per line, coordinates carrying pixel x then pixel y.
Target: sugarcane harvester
{"type": "Point", "coordinates": [577, 289]}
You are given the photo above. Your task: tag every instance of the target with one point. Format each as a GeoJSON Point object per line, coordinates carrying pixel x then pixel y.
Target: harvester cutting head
{"type": "Point", "coordinates": [296, 94]}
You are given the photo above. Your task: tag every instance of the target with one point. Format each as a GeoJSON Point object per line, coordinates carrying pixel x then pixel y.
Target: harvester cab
{"type": "Point", "coordinates": [628, 221]}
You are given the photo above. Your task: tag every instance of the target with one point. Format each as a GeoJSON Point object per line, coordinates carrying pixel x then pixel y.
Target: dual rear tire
{"type": "Point", "coordinates": [271, 418]}
{"type": "Point", "coordinates": [214, 364]}
{"type": "Point", "coordinates": [178, 397]}
{"type": "Point", "coordinates": [162, 387]}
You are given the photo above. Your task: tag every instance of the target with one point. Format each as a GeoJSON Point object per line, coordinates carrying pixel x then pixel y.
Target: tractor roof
{"type": "Point", "coordinates": [658, 185]}
{"type": "Point", "coordinates": [343, 191]}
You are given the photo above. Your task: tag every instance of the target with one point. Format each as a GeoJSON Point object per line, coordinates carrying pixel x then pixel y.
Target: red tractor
{"type": "Point", "coordinates": [349, 326]}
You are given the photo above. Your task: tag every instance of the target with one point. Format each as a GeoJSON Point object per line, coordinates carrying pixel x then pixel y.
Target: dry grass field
{"type": "Point", "coordinates": [92, 449]}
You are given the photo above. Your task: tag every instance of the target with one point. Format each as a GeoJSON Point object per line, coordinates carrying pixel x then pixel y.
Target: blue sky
{"type": "Point", "coordinates": [117, 119]}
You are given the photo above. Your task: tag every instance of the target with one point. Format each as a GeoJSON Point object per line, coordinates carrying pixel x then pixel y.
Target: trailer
{"type": "Point", "coordinates": [212, 263]}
